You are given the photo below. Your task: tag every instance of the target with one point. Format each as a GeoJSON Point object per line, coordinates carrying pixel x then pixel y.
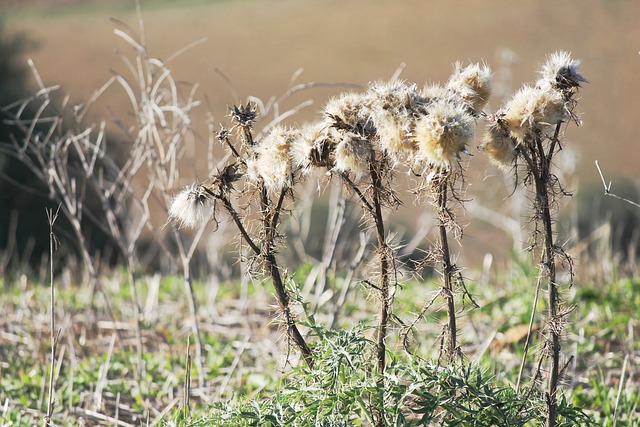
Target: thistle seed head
{"type": "Point", "coordinates": [353, 154]}
{"type": "Point", "coordinates": [562, 73]}
{"type": "Point", "coordinates": [443, 133]}
{"type": "Point", "coordinates": [272, 161]}
{"type": "Point", "coordinates": [349, 111]}
{"type": "Point", "coordinates": [303, 147]}
{"type": "Point", "coordinates": [473, 84]}
{"type": "Point", "coordinates": [393, 132]}
{"type": "Point", "coordinates": [533, 110]}
{"type": "Point", "coordinates": [498, 145]}
{"type": "Point", "coordinates": [192, 207]}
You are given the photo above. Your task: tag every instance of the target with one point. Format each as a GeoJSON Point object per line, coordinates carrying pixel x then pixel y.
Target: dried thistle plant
{"type": "Point", "coordinates": [264, 172]}
{"type": "Point", "coordinates": [525, 135]}
{"type": "Point", "coordinates": [444, 128]}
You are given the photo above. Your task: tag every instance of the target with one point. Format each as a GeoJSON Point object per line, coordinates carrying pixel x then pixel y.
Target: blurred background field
{"type": "Point", "coordinates": [245, 48]}
{"type": "Point", "coordinates": [259, 45]}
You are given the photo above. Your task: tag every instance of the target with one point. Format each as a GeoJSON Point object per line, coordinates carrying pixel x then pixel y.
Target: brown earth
{"type": "Point", "coordinates": [259, 44]}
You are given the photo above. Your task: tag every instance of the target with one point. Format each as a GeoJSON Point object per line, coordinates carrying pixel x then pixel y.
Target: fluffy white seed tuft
{"type": "Point", "coordinates": [353, 154]}
{"type": "Point", "coordinates": [443, 133]}
{"type": "Point", "coordinates": [533, 110]}
{"type": "Point", "coordinates": [560, 72]}
{"type": "Point", "coordinates": [191, 207]}
{"type": "Point", "coordinates": [272, 161]}
{"type": "Point", "coordinates": [472, 84]}
{"type": "Point", "coordinates": [498, 146]}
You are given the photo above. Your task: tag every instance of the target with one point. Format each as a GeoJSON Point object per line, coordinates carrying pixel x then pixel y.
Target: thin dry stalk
{"type": "Point", "coordinates": [539, 164]}
{"type": "Point", "coordinates": [623, 374]}
{"type": "Point", "coordinates": [53, 244]}
{"type": "Point", "coordinates": [346, 285]}
{"type": "Point", "coordinates": [270, 213]}
{"type": "Point", "coordinates": [607, 189]}
{"type": "Point", "coordinates": [526, 133]}
{"type": "Point", "coordinates": [187, 380]}
{"type": "Point", "coordinates": [373, 208]}
{"type": "Point", "coordinates": [383, 251]}
{"type": "Point", "coordinates": [527, 343]}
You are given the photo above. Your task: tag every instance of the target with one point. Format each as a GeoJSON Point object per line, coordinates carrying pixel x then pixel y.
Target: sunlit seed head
{"type": "Point", "coordinates": [353, 154]}
{"type": "Point", "coordinates": [191, 207]}
{"type": "Point", "coordinates": [498, 146]}
{"type": "Point", "coordinates": [533, 110]}
{"type": "Point", "coordinates": [302, 148]}
{"type": "Point", "coordinates": [392, 115]}
{"type": "Point", "coordinates": [348, 111]}
{"type": "Point", "coordinates": [433, 92]}
{"type": "Point", "coordinates": [393, 131]}
{"type": "Point", "coordinates": [272, 162]}
{"type": "Point", "coordinates": [473, 84]}
{"type": "Point", "coordinates": [560, 72]}
{"type": "Point", "coordinates": [443, 133]}
{"type": "Point", "coordinates": [428, 95]}
{"type": "Point", "coordinates": [394, 95]}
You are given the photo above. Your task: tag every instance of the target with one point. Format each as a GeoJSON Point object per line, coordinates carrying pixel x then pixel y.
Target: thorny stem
{"type": "Point", "coordinates": [232, 148]}
{"type": "Point", "coordinates": [447, 266]}
{"type": "Point", "coordinates": [540, 168]}
{"type": "Point", "coordinates": [270, 219]}
{"type": "Point", "coordinates": [384, 285]}
{"type": "Point", "coordinates": [361, 196]}
{"type": "Point", "coordinates": [374, 208]}
{"type": "Point", "coordinates": [236, 219]}
{"type": "Point", "coordinates": [270, 223]}
{"type": "Point", "coordinates": [384, 269]}
{"type": "Point", "coordinates": [552, 300]}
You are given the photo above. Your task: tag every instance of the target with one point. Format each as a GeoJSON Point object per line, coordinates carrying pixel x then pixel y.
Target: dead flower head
{"type": "Point", "coordinates": [562, 73]}
{"type": "Point", "coordinates": [353, 154]}
{"type": "Point", "coordinates": [473, 84]}
{"type": "Point", "coordinates": [392, 116]}
{"type": "Point", "coordinates": [498, 144]}
{"type": "Point", "coordinates": [272, 160]}
{"type": "Point", "coordinates": [533, 110]}
{"type": "Point", "coordinates": [192, 207]}
{"type": "Point", "coordinates": [443, 133]}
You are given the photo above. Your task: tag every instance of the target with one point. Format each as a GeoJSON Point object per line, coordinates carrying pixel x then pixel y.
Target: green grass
{"type": "Point", "coordinates": [98, 379]}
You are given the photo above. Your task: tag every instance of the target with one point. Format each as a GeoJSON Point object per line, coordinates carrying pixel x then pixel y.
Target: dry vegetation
{"type": "Point", "coordinates": [133, 347]}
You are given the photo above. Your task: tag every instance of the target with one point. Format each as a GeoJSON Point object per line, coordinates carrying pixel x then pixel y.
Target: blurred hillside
{"type": "Point", "coordinates": [259, 45]}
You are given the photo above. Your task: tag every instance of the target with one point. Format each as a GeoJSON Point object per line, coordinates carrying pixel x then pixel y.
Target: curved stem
{"type": "Point", "coordinates": [236, 219]}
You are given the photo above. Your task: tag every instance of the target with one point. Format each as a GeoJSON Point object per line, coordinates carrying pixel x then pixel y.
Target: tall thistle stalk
{"type": "Point", "coordinates": [364, 137]}
{"type": "Point", "coordinates": [445, 118]}
{"type": "Point", "coordinates": [448, 269]}
{"type": "Point", "coordinates": [526, 133]}
{"type": "Point", "coordinates": [262, 171]}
